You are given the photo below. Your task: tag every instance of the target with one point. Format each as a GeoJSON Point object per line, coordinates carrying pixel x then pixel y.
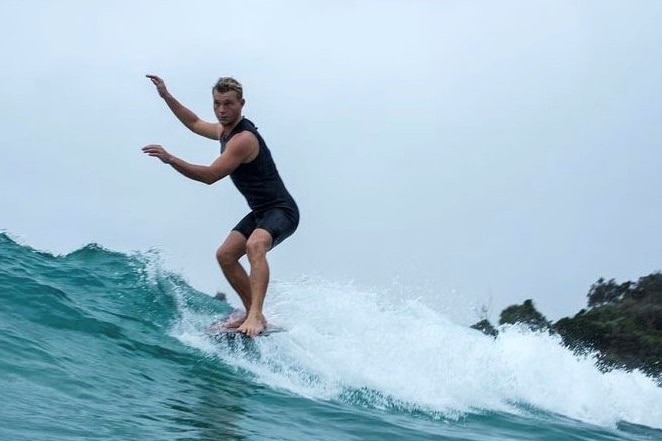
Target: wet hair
{"type": "Point", "coordinates": [229, 84]}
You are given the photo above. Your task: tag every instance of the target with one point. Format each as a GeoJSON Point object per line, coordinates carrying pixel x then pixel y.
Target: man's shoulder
{"type": "Point", "coordinates": [243, 137]}
{"type": "Point", "coordinates": [247, 130]}
{"type": "Point", "coordinates": [247, 124]}
{"type": "Point", "coordinates": [244, 144]}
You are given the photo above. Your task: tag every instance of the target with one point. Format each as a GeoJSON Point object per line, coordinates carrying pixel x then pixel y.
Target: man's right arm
{"type": "Point", "coordinates": [183, 114]}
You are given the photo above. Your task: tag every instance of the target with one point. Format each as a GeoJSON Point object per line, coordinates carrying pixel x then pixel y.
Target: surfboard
{"type": "Point", "coordinates": [217, 330]}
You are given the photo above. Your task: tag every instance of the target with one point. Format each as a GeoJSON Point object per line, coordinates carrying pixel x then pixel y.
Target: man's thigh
{"type": "Point", "coordinates": [279, 223]}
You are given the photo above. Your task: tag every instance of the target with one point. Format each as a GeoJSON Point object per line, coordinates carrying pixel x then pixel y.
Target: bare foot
{"type": "Point", "coordinates": [253, 325]}
{"type": "Point", "coordinates": [234, 320]}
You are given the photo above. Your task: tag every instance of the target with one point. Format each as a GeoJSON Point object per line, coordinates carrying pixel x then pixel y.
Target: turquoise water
{"type": "Point", "coordinates": [98, 344]}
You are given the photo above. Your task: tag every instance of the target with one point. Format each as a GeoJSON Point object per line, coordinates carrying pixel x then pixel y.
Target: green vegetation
{"type": "Point", "coordinates": [622, 323]}
{"type": "Point", "coordinates": [486, 327]}
{"type": "Point", "coordinates": [525, 314]}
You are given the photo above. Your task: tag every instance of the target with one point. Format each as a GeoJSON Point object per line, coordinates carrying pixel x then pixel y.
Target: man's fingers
{"type": "Point", "coordinates": [153, 149]}
{"type": "Point", "coordinates": [155, 79]}
{"type": "Point", "coordinates": [157, 151]}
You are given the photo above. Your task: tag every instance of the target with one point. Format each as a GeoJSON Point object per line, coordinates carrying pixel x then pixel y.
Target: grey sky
{"type": "Point", "coordinates": [485, 150]}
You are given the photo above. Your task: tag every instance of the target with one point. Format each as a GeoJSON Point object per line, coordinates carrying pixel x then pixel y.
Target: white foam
{"type": "Point", "coordinates": [343, 339]}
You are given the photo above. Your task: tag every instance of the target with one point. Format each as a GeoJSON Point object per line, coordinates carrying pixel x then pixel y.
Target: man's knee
{"type": "Point", "coordinates": [258, 244]}
{"type": "Point", "coordinates": [231, 250]}
{"type": "Point", "coordinates": [225, 257]}
{"type": "Point", "coordinates": [228, 256]}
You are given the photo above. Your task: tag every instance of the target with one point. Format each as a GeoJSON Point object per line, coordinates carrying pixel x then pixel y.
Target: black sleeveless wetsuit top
{"type": "Point", "coordinates": [258, 181]}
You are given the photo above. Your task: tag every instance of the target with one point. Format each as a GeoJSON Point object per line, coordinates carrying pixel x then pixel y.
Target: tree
{"type": "Point", "coordinates": [602, 293]}
{"type": "Point", "coordinates": [527, 314]}
{"type": "Point", "coordinates": [486, 328]}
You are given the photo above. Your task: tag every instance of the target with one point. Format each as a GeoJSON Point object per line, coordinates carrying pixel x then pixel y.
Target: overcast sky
{"type": "Point", "coordinates": [489, 150]}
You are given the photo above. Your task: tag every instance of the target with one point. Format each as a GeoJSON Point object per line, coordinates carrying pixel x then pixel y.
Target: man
{"type": "Point", "coordinates": [246, 159]}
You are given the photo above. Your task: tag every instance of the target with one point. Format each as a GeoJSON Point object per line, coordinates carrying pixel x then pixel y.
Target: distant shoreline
{"type": "Point", "coordinates": [622, 323]}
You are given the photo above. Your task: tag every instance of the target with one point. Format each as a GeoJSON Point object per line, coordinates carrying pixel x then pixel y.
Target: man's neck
{"type": "Point", "coordinates": [227, 130]}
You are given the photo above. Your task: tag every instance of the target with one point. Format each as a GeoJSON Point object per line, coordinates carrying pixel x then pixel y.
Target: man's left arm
{"type": "Point", "coordinates": [239, 150]}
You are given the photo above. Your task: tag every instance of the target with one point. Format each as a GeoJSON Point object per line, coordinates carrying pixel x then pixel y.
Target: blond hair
{"type": "Point", "coordinates": [229, 84]}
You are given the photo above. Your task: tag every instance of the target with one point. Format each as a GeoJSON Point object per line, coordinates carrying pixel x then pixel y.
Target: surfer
{"type": "Point", "coordinates": [244, 157]}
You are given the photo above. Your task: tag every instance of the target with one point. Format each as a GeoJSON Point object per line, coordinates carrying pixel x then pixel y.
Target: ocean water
{"type": "Point", "coordinates": [98, 344]}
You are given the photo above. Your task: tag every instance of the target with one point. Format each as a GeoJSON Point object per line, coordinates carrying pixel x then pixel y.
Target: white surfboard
{"type": "Point", "coordinates": [217, 330]}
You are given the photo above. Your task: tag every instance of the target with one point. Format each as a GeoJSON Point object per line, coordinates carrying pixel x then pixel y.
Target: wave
{"type": "Point", "coordinates": [85, 342]}
{"type": "Point", "coordinates": [96, 319]}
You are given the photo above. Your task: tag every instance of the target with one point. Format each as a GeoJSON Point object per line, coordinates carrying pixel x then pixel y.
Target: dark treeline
{"type": "Point", "coordinates": [622, 323]}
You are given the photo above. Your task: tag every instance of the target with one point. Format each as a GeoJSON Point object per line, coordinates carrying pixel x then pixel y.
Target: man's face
{"type": "Point", "coordinates": [227, 107]}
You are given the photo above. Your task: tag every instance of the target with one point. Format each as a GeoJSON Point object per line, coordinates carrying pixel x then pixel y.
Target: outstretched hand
{"type": "Point", "coordinates": [160, 85]}
{"type": "Point", "coordinates": [158, 152]}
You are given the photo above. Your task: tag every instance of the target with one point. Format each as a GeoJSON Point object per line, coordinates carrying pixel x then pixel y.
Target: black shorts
{"type": "Point", "coordinates": [279, 222]}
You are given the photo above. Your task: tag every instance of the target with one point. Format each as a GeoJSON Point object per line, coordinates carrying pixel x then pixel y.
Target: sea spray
{"type": "Point", "coordinates": [370, 348]}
